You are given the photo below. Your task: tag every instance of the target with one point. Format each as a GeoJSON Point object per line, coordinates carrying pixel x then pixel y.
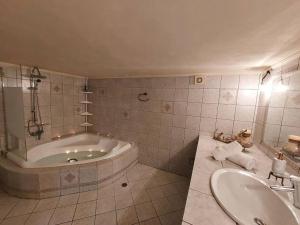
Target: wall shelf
{"type": "Point", "coordinates": [86, 124]}
{"type": "Point", "coordinates": [86, 102]}
{"type": "Point", "coordinates": [86, 114]}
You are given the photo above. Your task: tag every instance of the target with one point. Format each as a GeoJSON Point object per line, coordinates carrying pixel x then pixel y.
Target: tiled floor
{"type": "Point", "coordinates": [151, 197]}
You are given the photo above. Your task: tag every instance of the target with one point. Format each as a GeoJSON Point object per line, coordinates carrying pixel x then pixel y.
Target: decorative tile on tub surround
{"type": "Point", "coordinates": [167, 126]}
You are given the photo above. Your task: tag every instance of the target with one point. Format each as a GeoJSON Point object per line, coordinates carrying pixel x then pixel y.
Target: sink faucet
{"type": "Point", "coordinates": [295, 188]}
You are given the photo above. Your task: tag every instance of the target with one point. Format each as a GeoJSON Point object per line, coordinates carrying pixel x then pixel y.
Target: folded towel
{"type": "Point", "coordinates": [226, 150]}
{"type": "Point", "coordinates": [244, 160]}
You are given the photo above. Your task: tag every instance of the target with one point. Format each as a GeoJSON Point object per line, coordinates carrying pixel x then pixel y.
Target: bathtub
{"type": "Point", "coordinates": [77, 149]}
{"type": "Point", "coordinates": [69, 165]}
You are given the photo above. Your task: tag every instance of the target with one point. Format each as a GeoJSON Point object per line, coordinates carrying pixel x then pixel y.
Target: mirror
{"type": "Point", "coordinates": [282, 114]}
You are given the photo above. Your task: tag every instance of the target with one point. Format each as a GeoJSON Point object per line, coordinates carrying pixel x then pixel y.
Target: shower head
{"type": "Point", "coordinates": [36, 74]}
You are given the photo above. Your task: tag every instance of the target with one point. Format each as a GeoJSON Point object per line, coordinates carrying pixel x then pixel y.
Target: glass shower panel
{"type": "Point", "coordinates": [14, 117]}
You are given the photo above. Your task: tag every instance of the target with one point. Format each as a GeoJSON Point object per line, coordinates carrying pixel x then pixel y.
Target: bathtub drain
{"type": "Point", "coordinates": [72, 160]}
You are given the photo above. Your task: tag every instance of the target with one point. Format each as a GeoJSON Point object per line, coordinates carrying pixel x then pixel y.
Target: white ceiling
{"type": "Point", "coordinates": [115, 38]}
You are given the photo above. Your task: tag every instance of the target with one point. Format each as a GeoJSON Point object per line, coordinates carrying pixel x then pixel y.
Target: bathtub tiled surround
{"type": "Point", "coordinates": [201, 207]}
{"type": "Point", "coordinates": [59, 98]}
{"type": "Point", "coordinates": [151, 196]}
{"type": "Point", "coordinates": [167, 126]}
{"type": "Point", "coordinates": [56, 181]}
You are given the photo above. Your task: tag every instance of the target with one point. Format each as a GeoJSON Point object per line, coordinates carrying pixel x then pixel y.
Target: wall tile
{"type": "Point", "coordinates": [194, 109]}
{"type": "Point", "coordinates": [212, 81]}
{"type": "Point", "coordinates": [179, 121]}
{"type": "Point", "coordinates": [193, 122]}
{"type": "Point", "coordinates": [226, 112]}
{"type": "Point", "coordinates": [181, 95]}
{"type": "Point", "coordinates": [230, 81]}
{"type": "Point", "coordinates": [211, 95]}
{"type": "Point", "coordinates": [247, 97]}
{"type": "Point", "coordinates": [180, 108]}
{"type": "Point", "coordinates": [228, 96]}
{"type": "Point", "coordinates": [244, 113]}
{"type": "Point", "coordinates": [274, 115]}
{"type": "Point", "coordinates": [207, 125]}
{"type": "Point", "coordinates": [195, 95]}
{"type": "Point", "coordinates": [209, 110]}
{"type": "Point", "coordinates": [278, 99]}
{"type": "Point", "coordinates": [182, 82]}
{"type": "Point", "coordinates": [293, 99]}
{"type": "Point", "coordinates": [291, 117]}
{"type": "Point", "coordinates": [249, 82]}
{"type": "Point", "coordinates": [225, 126]}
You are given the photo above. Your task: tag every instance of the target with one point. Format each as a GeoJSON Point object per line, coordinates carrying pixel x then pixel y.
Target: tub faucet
{"type": "Point", "coordinates": [295, 188]}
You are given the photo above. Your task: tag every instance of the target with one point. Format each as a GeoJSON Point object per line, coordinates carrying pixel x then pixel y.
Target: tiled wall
{"type": "Point", "coordinates": [59, 98]}
{"type": "Point", "coordinates": [167, 126]}
{"type": "Point", "coordinates": [282, 109]}
{"type": "Point", "coordinates": [2, 132]}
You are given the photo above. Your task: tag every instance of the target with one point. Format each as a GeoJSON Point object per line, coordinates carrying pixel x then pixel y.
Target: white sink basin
{"type": "Point", "coordinates": [248, 200]}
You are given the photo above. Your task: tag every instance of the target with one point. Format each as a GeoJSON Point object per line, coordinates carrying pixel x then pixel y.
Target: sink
{"type": "Point", "coordinates": [248, 200]}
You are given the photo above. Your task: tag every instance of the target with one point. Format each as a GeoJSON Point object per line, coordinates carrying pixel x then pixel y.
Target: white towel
{"type": "Point", "coordinates": [226, 150]}
{"type": "Point", "coordinates": [244, 160]}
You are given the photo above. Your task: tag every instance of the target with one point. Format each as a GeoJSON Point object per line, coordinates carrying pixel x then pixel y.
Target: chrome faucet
{"type": "Point", "coordinates": [295, 188]}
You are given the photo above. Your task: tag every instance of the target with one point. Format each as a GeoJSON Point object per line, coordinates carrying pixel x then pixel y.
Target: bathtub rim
{"type": "Point", "coordinates": [121, 147]}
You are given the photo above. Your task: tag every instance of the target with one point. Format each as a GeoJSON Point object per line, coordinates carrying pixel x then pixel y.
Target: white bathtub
{"type": "Point", "coordinates": [85, 148]}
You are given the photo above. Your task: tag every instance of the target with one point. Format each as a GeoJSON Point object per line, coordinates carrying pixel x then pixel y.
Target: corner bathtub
{"type": "Point", "coordinates": [73, 164]}
{"type": "Point", "coordinates": [77, 149]}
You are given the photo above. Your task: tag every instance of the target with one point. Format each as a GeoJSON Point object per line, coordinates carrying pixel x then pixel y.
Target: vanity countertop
{"type": "Point", "coordinates": [201, 207]}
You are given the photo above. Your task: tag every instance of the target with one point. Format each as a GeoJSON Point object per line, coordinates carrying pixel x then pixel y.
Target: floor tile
{"type": "Point", "coordinates": [85, 209]}
{"type": "Point", "coordinates": [7, 199]}
{"type": "Point", "coordinates": [40, 218]}
{"type": "Point", "coordinates": [149, 193]}
{"type": "Point", "coordinates": [62, 215]}
{"type": "Point", "coordinates": [85, 221]}
{"type": "Point", "coordinates": [145, 211]}
{"type": "Point", "coordinates": [5, 208]}
{"type": "Point", "coordinates": [155, 193]}
{"type": "Point", "coordinates": [107, 191]}
{"type": "Point", "coordinates": [169, 189]}
{"type": "Point", "coordinates": [18, 220]}
{"type": "Point", "coordinates": [24, 206]}
{"type": "Point", "coordinates": [87, 196]}
{"type": "Point", "coordinates": [174, 218]}
{"type": "Point", "coordinates": [123, 200]}
{"type": "Point", "coordinates": [68, 200]}
{"type": "Point", "coordinates": [140, 196]}
{"type": "Point", "coordinates": [127, 216]}
{"type": "Point", "coordinates": [108, 218]}
{"type": "Point", "coordinates": [153, 221]}
{"type": "Point", "coordinates": [162, 206]}
{"type": "Point", "coordinates": [47, 203]}
{"type": "Point", "coordinates": [105, 205]}
{"type": "Point", "coordinates": [120, 188]}
{"type": "Point", "coordinates": [177, 201]}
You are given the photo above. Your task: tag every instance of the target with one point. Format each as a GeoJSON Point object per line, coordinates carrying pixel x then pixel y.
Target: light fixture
{"type": "Point", "coordinates": [271, 85]}
{"type": "Point", "coordinates": [280, 86]}
{"type": "Point", "coordinates": [266, 85]}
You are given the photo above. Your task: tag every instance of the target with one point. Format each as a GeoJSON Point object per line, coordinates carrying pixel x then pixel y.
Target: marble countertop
{"type": "Point", "coordinates": [201, 207]}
